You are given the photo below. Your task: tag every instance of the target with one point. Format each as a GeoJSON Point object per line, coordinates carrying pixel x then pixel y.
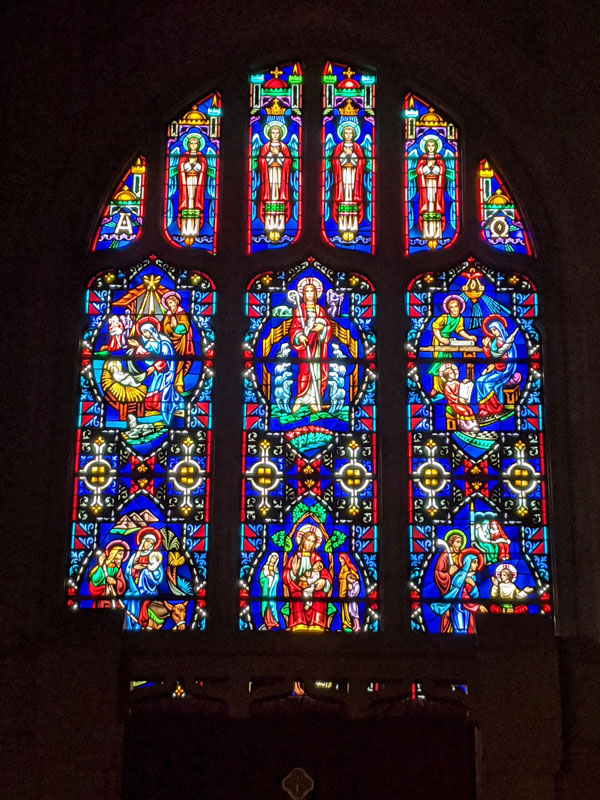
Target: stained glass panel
{"type": "Point", "coordinates": [348, 176]}
{"type": "Point", "coordinates": [478, 529]}
{"type": "Point", "coordinates": [274, 155]}
{"type": "Point", "coordinates": [191, 210]}
{"type": "Point", "coordinates": [431, 178]}
{"type": "Point", "coordinates": [309, 497]}
{"type": "Point", "coordinates": [499, 216]}
{"type": "Point", "coordinates": [122, 219]}
{"type": "Point", "coordinates": [142, 456]}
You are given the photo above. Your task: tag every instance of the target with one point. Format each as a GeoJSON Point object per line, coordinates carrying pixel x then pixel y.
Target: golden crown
{"type": "Point", "coordinates": [276, 109]}
{"type": "Point", "coordinates": [348, 109]}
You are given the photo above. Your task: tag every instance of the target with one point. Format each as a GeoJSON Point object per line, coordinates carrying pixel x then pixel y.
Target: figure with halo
{"type": "Point", "coordinates": [306, 580]}
{"type": "Point", "coordinates": [274, 163]}
{"type": "Point", "coordinates": [176, 325]}
{"type": "Point", "coordinates": [310, 332]}
{"type": "Point", "coordinates": [449, 325]}
{"type": "Point", "coordinates": [348, 163]}
{"type": "Point", "coordinates": [191, 178]}
{"type": "Point", "coordinates": [431, 181]}
{"type": "Point", "coordinates": [506, 592]}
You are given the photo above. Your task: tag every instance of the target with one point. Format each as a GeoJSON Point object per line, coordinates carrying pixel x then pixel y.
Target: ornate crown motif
{"type": "Point", "coordinates": [276, 109]}
{"type": "Point", "coordinates": [348, 109]}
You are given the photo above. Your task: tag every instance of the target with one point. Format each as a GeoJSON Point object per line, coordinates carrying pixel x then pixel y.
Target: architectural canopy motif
{"type": "Point", "coordinates": [499, 216]}
{"type": "Point", "coordinates": [122, 219]}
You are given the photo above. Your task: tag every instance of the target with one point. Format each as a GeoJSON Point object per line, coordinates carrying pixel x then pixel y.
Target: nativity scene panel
{"type": "Point", "coordinates": [142, 460]}
{"type": "Point", "coordinates": [309, 496]}
{"type": "Point", "coordinates": [478, 527]}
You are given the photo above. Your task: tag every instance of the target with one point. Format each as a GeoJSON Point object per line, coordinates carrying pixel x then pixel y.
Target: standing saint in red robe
{"type": "Point", "coordinates": [310, 332]}
{"type": "Point", "coordinates": [191, 178]}
{"type": "Point", "coordinates": [274, 162]}
{"type": "Point", "coordinates": [348, 163]}
{"type": "Point", "coordinates": [431, 179]}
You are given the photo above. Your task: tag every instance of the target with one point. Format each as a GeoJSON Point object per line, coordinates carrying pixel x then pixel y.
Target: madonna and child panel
{"type": "Point", "coordinates": [309, 492]}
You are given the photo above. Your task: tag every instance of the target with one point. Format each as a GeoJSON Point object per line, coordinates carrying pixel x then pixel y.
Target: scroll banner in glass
{"type": "Point", "coordinates": [348, 173]}
{"type": "Point", "coordinates": [142, 454]}
{"type": "Point", "coordinates": [122, 219]}
{"type": "Point", "coordinates": [274, 158]}
{"type": "Point", "coordinates": [477, 492]}
{"type": "Point", "coordinates": [191, 188]}
{"type": "Point", "coordinates": [309, 491]}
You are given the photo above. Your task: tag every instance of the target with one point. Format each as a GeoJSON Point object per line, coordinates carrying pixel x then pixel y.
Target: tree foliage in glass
{"type": "Point", "coordinates": [142, 455]}
{"type": "Point", "coordinates": [348, 175]}
{"type": "Point", "coordinates": [478, 536]}
{"type": "Point", "coordinates": [191, 209]}
{"type": "Point", "coordinates": [122, 219]}
{"type": "Point", "coordinates": [274, 155]}
{"type": "Point", "coordinates": [499, 216]}
{"type": "Point", "coordinates": [431, 178]}
{"type": "Point", "coordinates": [309, 498]}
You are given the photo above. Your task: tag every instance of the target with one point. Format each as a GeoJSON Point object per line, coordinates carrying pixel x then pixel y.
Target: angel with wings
{"type": "Point", "coordinates": [274, 162]}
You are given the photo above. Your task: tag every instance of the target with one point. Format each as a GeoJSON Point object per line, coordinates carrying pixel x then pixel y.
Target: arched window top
{"type": "Point", "coordinates": [433, 201]}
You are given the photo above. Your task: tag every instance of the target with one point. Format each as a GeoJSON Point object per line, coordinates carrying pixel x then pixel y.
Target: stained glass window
{"type": "Point", "coordinates": [478, 528]}
{"type": "Point", "coordinates": [431, 178]}
{"type": "Point", "coordinates": [348, 177]}
{"type": "Point", "coordinates": [191, 210]}
{"type": "Point", "coordinates": [142, 455]}
{"type": "Point", "coordinates": [274, 154]}
{"type": "Point", "coordinates": [499, 217]}
{"type": "Point", "coordinates": [309, 499]}
{"type": "Point", "coordinates": [122, 219]}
